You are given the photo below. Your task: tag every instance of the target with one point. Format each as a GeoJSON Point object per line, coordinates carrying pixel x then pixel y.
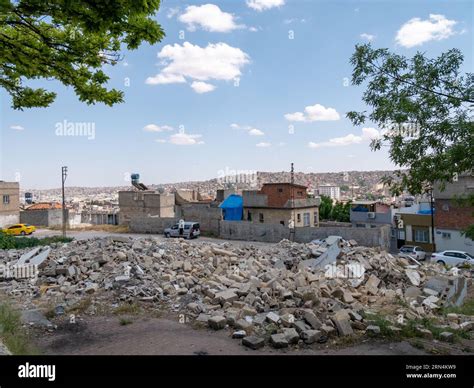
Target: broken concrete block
{"type": "Point", "coordinates": [226, 296]}
{"type": "Point", "coordinates": [310, 336]}
{"type": "Point", "coordinates": [312, 319]}
{"type": "Point", "coordinates": [300, 326]}
{"type": "Point", "coordinates": [242, 324]}
{"type": "Point", "coordinates": [291, 335]}
{"type": "Point", "coordinates": [372, 329]}
{"type": "Point", "coordinates": [273, 318]}
{"type": "Point", "coordinates": [329, 331]}
{"type": "Point", "coordinates": [343, 325]}
{"type": "Point", "coordinates": [413, 276]}
{"type": "Point", "coordinates": [253, 342]}
{"type": "Point", "coordinates": [278, 341]}
{"type": "Point", "coordinates": [466, 326]}
{"type": "Point", "coordinates": [372, 284]}
{"type": "Point", "coordinates": [217, 322]}
{"type": "Point", "coordinates": [452, 317]}
{"type": "Point", "coordinates": [425, 333]}
{"type": "Point", "coordinates": [446, 336]}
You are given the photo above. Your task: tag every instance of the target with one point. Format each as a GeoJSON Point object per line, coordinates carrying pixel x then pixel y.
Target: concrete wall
{"type": "Point", "coordinates": [452, 239]}
{"type": "Point", "coordinates": [152, 225]}
{"type": "Point", "coordinates": [241, 230]}
{"type": "Point", "coordinates": [9, 219]}
{"type": "Point", "coordinates": [208, 216]}
{"type": "Point", "coordinates": [463, 186]}
{"type": "Point", "coordinates": [276, 216]}
{"type": "Point", "coordinates": [143, 203]}
{"type": "Point", "coordinates": [51, 217]}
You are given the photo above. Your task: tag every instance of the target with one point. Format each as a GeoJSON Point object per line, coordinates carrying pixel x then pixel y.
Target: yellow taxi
{"type": "Point", "coordinates": [19, 230]}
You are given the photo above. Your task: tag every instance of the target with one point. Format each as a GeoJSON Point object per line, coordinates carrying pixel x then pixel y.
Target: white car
{"type": "Point", "coordinates": [414, 251]}
{"type": "Point", "coordinates": [453, 258]}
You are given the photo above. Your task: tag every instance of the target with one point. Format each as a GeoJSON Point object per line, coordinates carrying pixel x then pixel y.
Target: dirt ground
{"type": "Point", "coordinates": [105, 335]}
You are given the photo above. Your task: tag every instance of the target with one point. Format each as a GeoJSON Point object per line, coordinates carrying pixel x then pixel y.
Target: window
{"type": "Point", "coordinates": [298, 217]}
{"type": "Point", "coordinates": [6, 199]}
{"type": "Point", "coordinates": [315, 218]}
{"type": "Point", "coordinates": [300, 193]}
{"type": "Point", "coordinates": [260, 217]}
{"type": "Point", "coordinates": [373, 226]}
{"type": "Point", "coordinates": [306, 221]}
{"type": "Point", "coordinates": [446, 235]}
{"type": "Point", "coordinates": [282, 223]}
{"type": "Point", "coordinates": [280, 190]}
{"type": "Point", "coordinates": [249, 216]}
{"type": "Point", "coordinates": [421, 235]}
{"type": "Point", "coordinates": [360, 225]}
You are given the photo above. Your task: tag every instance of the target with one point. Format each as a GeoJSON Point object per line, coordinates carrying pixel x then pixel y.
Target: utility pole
{"type": "Point", "coordinates": [64, 176]}
{"type": "Point", "coordinates": [292, 181]}
{"type": "Point", "coordinates": [432, 220]}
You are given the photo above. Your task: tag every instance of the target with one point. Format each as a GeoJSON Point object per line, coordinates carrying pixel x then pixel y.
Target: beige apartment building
{"type": "Point", "coordinates": [10, 203]}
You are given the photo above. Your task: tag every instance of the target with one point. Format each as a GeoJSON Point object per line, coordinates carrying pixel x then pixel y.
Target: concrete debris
{"type": "Point", "coordinates": [254, 342]}
{"type": "Point", "coordinates": [217, 322]}
{"type": "Point", "coordinates": [281, 293]}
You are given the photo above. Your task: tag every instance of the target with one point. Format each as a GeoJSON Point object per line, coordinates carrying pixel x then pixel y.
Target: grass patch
{"type": "Point", "coordinates": [128, 309]}
{"type": "Point", "coordinates": [411, 328]}
{"type": "Point", "coordinates": [467, 308]}
{"type": "Point", "coordinates": [12, 333]}
{"type": "Point", "coordinates": [81, 306]}
{"type": "Point", "coordinates": [104, 228]}
{"type": "Point", "coordinates": [125, 321]}
{"type": "Point", "coordinates": [12, 242]}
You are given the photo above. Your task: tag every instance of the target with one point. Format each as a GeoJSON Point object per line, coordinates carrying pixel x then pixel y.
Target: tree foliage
{"type": "Point", "coordinates": [339, 211]}
{"type": "Point", "coordinates": [424, 108]}
{"type": "Point", "coordinates": [69, 41]}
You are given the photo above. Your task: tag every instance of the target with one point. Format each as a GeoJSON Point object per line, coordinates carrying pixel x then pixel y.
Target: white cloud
{"type": "Point", "coordinates": [202, 87]}
{"type": "Point", "coordinates": [415, 32]}
{"type": "Point", "coordinates": [263, 145]}
{"type": "Point", "coordinates": [368, 37]}
{"type": "Point", "coordinates": [314, 113]}
{"type": "Point", "coordinates": [185, 139]}
{"type": "Point", "coordinates": [253, 29]}
{"type": "Point", "coordinates": [160, 140]}
{"type": "Point", "coordinates": [250, 130]}
{"type": "Point", "coordinates": [256, 132]}
{"type": "Point", "coordinates": [17, 127]}
{"type": "Point", "coordinates": [262, 5]}
{"type": "Point", "coordinates": [172, 12]}
{"type": "Point", "coordinates": [209, 17]}
{"type": "Point", "coordinates": [368, 134]}
{"type": "Point", "coordinates": [217, 61]}
{"type": "Point", "coordinates": [163, 79]}
{"type": "Point", "coordinates": [157, 128]}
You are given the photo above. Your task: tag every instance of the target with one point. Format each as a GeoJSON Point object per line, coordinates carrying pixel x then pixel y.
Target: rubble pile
{"type": "Point", "coordinates": [281, 294]}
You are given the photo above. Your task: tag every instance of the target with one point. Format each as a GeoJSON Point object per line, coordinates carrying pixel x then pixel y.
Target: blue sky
{"type": "Point", "coordinates": [172, 127]}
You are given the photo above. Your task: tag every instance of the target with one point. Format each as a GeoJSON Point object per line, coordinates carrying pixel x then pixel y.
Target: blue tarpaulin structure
{"type": "Point", "coordinates": [232, 208]}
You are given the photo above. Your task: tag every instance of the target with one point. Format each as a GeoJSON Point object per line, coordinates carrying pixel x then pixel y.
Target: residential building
{"type": "Point", "coordinates": [281, 203]}
{"type": "Point", "coordinates": [145, 203]}
{"type": "Point", "coordinates": [453, 217]}
{"type": "Point", "coordinates": [333, 192]}
{"type": "Point", "coordinates": [44, 214]}
{"type": "Point", "coordinates": [370, 214]}
{"type": "Point", "coordinates": [10, 205]}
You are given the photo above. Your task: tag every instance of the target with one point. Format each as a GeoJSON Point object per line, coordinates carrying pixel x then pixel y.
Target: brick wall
{"type": "Point", "coordinates": [277, 198]}
{"type": "Point", "coordinates": [449, 215]}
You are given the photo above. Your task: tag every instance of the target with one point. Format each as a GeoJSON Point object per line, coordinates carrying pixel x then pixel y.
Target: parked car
{"type": "Point", "coordinates": [19, 230]}
{"type": "Point", "coordinates": [415, 251]}
{"type": "Point", "coordinates": [190, 230]}
{"type": "Point", "coordinates": [453, 258]}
